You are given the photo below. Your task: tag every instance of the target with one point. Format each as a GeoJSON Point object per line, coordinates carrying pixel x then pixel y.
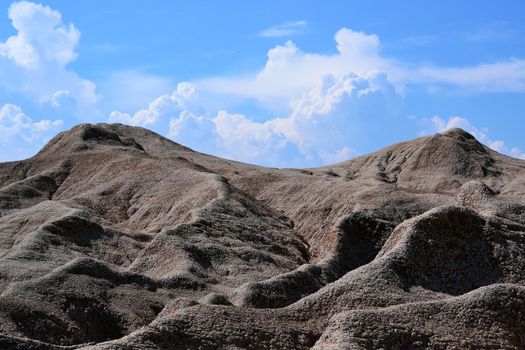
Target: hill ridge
{"type": "Point", "coordinates": [115, 237]}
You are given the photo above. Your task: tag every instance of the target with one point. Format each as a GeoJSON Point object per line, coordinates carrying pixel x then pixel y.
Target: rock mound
{"type": "Point", "coordinates": [488, 318]}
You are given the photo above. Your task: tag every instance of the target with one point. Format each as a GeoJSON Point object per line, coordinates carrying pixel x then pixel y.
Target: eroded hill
{"type": "Point", "coordinates": [113, 237]}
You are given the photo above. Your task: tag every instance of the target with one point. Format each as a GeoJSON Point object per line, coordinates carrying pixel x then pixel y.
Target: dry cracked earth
{"type": "Point", "coordinates": [113, 237]}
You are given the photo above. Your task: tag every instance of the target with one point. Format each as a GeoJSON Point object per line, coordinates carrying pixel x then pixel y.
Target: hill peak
{"type": "Point", "coordinates": [458, 132]}
{"type": "Point", "coordinates": [84, 137]}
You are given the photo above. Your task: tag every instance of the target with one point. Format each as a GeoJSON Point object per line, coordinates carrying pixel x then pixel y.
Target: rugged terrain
{"type": "Point", "coordinates": [113, 237]}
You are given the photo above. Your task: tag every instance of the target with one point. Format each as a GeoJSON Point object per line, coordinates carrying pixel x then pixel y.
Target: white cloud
{"type": "Point", "coordinates": [244, 139]}
{"type": "Point", "coordinates": [517, 153]}
{"type": "Point", "coordinates": [289, 72]}
{"type": "Point", "coordinates": [332, 101]}
{"type": "Point", "coordinates": [441, 125]}
{"type": "Point", "coordinates": [501, 147]}
{"type": "Point", "coordinates": [322, 123]}
{"type": "Point", "coordinates": [498, 146]}
{"type": "Point", "coordinates": [504, 76]}
{"type": "Point", "coordinates": [60, 97]}
{"type": "Point", "coordinates": [183, 121]}
{"type": "Point", "coordinates": [163, 106]}
{"type": "Point", "coordinates": [34, 60]}
{"type": "Point", "coordinates": [319, 129]}
{"type": "Point", "coordinates": [357, 45]}
{"type": "Point", "coordinates": [41, 36]}
{"type": "Point", "coordinates": [285, 29]}
{"type": "Point", "coordinates": [14, 123]}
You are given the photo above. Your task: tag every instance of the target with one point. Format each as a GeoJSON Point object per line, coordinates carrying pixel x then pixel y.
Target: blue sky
{"type": "Point", "coordinates": [286, 84]}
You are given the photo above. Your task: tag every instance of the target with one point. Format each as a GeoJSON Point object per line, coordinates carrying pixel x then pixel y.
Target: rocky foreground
{"type": "Point", "coordinates": [113, 237]}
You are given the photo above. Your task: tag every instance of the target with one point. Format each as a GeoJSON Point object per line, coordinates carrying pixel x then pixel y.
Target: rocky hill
{"type": "Point", "coordinates": [113, 237]}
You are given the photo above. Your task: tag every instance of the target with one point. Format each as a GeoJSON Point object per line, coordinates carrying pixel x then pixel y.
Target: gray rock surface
{"type": "Point", "coordinates": [113, 237]}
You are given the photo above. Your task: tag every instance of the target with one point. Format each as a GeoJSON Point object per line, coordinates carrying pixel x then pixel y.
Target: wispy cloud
{"type": "Point", "coordinates": [106, 48]}
{"type": "Point", "coordinates": [285, 29]}
{"type": "Point", "coordinates": [504, 76]}
{"type": "Point", "coordinates": [413, 41]}
{"type": "Point", "coordinates": [492, 31]}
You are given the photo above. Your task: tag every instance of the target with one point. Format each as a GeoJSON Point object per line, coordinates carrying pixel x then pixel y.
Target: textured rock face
{"type": "Point", "coordinates": [113, 237]}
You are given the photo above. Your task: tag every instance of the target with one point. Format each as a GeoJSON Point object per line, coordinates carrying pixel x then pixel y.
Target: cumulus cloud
{"type": "Point", "coordinates": [14, 123]}
{"type": "Point", "coordinates": [163, 106]}
{"type": "Point", "coordinates": [441, 125]}
{"type": "Point", "coordinates": [285, 29]}
{"type": "Point", "coordinates": [333, 101]}
{"type": "Point", "coordinates": [247, 140]}
{"type": "Point", "coordinates": [289, 71]}
{"type": "Point", "coordinates": [41, 36]}
{"type": "Point", "coordinates": [185, 122]}
{"type": "Point", "coordinates": [34, 61]}
{"type": "Point", "coordinates": [323, 124]}
{"type": "Point", "coordinates": [319, 130]}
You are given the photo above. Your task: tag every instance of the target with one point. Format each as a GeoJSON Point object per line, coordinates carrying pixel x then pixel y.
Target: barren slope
{"type": "Point", "coordinates": [113, 237]}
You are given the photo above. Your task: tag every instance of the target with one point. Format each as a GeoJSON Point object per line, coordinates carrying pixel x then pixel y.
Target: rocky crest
{"type": "Point", "coordinates": [113, 237]}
